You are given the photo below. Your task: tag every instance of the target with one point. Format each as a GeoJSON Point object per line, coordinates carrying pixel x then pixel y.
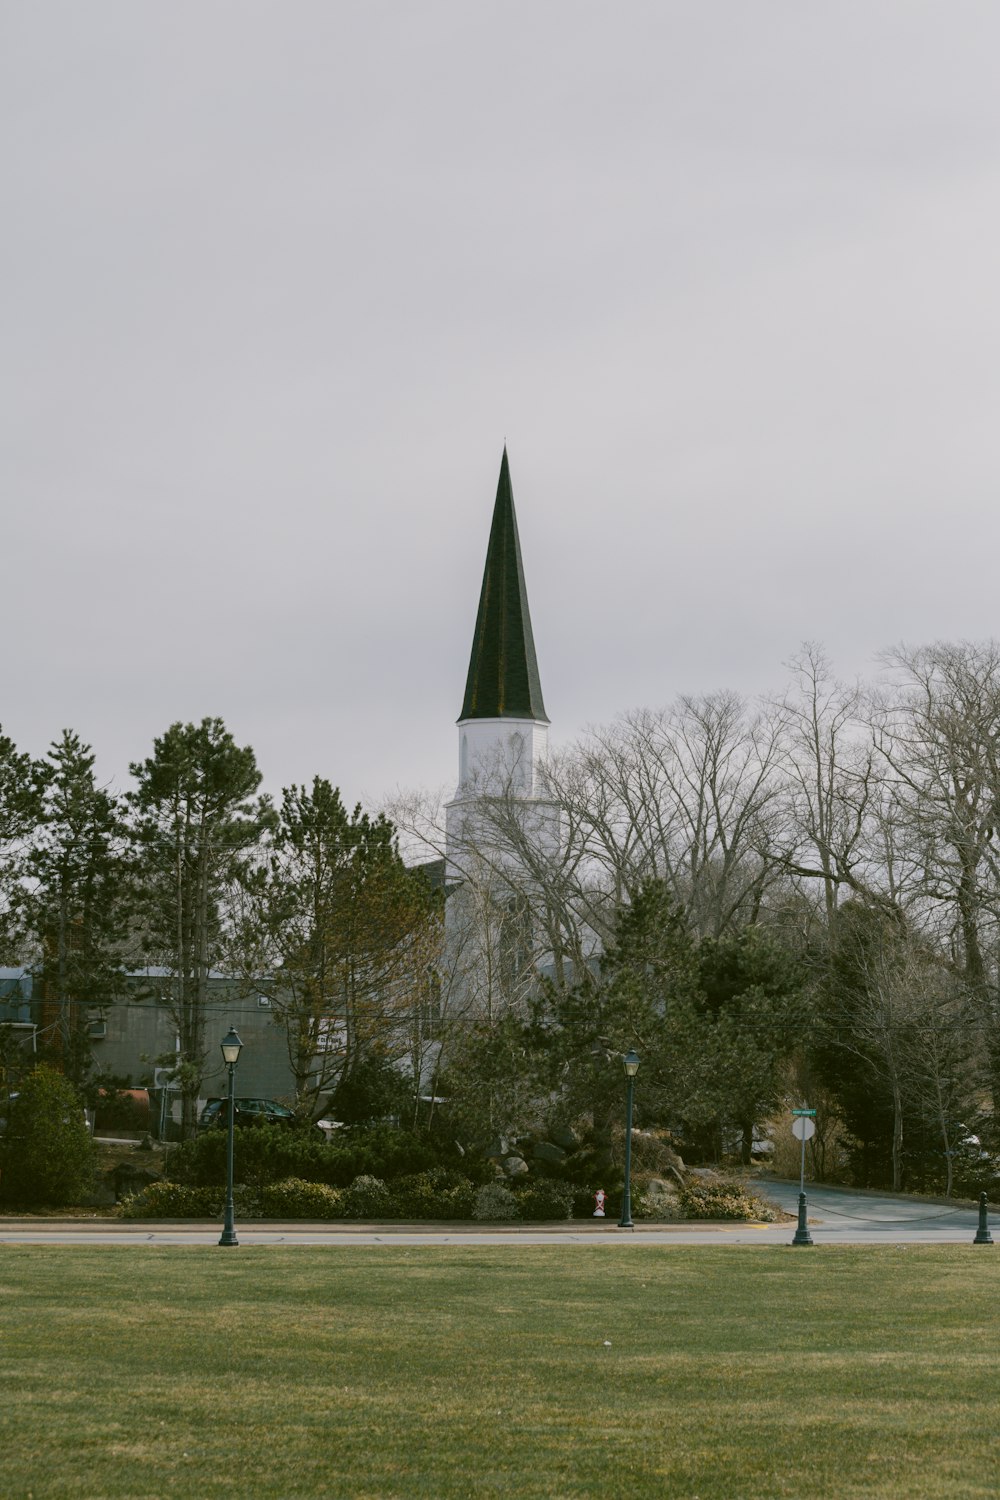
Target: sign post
{"type": "Point", "coordinates": [803, 1128]}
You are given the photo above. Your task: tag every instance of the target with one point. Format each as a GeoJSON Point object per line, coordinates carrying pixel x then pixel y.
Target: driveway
{"type": "Point", "coordinates": [840, 1216]}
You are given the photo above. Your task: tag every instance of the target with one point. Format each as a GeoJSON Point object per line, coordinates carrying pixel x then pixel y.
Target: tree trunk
{"type": "Point", "coordinates": [897, 1137]}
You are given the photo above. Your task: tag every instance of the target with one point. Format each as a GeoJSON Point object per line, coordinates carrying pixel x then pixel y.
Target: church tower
{"type": "Point", "coordinates": [503, 728]}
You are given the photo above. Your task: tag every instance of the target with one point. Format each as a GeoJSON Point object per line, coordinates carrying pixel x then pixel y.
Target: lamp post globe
{"type": "Point", "coordinates": [630, 1062]}
{"type": "Point", "coordinates": [231, 1049]}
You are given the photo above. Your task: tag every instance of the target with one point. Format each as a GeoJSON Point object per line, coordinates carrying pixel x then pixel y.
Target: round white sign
{"type": "Point", "coordinates": [803, 1128]}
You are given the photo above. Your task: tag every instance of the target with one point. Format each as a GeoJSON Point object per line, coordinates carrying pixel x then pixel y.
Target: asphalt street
{"type": "Point", "coordinates": [836, 1217]}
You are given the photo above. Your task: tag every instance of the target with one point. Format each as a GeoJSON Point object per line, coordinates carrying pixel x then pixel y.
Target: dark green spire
{"type": "Point", "coordinates": [503, 678]}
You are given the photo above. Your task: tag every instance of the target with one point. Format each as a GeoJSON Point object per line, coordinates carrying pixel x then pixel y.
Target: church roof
{"type": "Point", "coordinates": [503, 681]}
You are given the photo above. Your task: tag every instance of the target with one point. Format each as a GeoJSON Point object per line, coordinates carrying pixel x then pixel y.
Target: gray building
{"type": "Point", "coordinates": [134, 1038]}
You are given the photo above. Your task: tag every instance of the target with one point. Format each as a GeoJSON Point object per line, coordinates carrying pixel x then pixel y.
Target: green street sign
{"type": "Point", "coordinates": [803, 1111]}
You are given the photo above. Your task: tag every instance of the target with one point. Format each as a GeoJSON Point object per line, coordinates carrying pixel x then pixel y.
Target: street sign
{"type": "Point", "coordinates": [803, 1129]}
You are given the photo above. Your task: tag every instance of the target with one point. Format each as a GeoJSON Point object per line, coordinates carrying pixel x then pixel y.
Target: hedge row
{"type": "Point", "coordinates": [266, 1155]}
{"type": "Point", "coordinates": [436, 1194]}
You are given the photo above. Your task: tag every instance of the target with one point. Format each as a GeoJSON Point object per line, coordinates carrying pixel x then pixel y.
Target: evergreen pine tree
{"type": "Point", "coordinates": [74, 903]}
{"type": "Point", "coordinates": [22, 789]}
{"type": "Point", "coordinates": [327, 929]}
{"type": "Point", "coordinates": [197, 821]}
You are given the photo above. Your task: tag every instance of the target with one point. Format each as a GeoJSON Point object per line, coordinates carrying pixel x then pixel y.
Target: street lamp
{"type": "Point", "coordinates": [231, 1048]}
{"type": "Point", "coordinates": [630, 1062]}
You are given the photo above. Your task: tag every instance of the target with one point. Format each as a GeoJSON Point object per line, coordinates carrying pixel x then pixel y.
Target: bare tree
{"type": "Point", "coordinates": [936, 728]}
{"type": "Point", "coordinates": [830, 792]}
{"type": "Point", "coordinates": [688, 794]}
{"type": "Point", "coordinates": [903, 1015]}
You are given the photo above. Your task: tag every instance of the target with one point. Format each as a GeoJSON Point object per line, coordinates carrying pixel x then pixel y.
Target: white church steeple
{"type": "Point", "coordinates": [503, 726]}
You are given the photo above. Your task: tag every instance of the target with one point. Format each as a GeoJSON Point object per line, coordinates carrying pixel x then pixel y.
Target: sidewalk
{"type": "Point", "coordinates": [451, 1227]}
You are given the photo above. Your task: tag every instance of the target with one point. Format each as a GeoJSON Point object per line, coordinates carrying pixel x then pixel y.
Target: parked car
{"type": "Point", "coordinates": [246, 1112]}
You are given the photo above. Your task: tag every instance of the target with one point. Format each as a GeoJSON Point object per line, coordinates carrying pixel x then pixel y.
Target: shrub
{"type": "Point", "coordinates": [546, 1200]}
{"type": "Point", "coordinates": [265, 1154]}
{"type": "Point", "coordinates": [656, 1201]}
{"type": "Point", "coordinates": [494, 1203]}
{"type": "Point", "coordinates": [655, 1151]}
{"type": "Point", "coordinates": [295, 1199]}
{"type": "Point", "coordinates": [366, 1198]}
{"type": "Point", "coordinates": [724, 1200]}
{"type": "Point", "coordinates": [386, 1152]}
{"type": "Point", "coordinates": [115, 1106]}
{"type": "Point", "coordinates": [373, 1090]}
{"type": "Point", "coordinates": [173, 1200]}
{"type": "Point", "coordinates": [46, 1154]}
{"type": "Point", "coordinates": [261, 1154]}
{"type": "Point", "coordinates": [592, 1167]}
{"type": "Point", "coordinates": [247, 1203]}
{"type": "Point", "coordinates": [437, 1194]}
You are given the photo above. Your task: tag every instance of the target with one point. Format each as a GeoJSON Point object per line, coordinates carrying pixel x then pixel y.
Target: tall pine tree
{"type": "Point", "coordinates": [197, 819]}
{"type": "Point", "coordinates": [22, 790]}
{"type": "Point", "coordinates": [328, 928]}
{"type": "Point", "coordinates": [74, 903]}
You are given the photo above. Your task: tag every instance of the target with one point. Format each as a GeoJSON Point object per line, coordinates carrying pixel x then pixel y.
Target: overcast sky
{"type": "Point", "coordinates": [279, 279]}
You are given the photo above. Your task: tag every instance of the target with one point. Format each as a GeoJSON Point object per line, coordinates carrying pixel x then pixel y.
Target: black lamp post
{"type": "Point", "coordinates": [231, 1048]}
{"type": "Point", "coordinates": [630, 1062]}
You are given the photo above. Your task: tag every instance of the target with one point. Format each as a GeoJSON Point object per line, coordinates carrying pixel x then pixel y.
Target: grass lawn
{"type": "Point", "coordinates": [729, 1372]}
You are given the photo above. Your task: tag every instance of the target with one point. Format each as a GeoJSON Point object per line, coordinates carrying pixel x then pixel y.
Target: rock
{"type": "Point", "coordinates": [515, 1166]}
{"type": "Point", "coordinates": [496, 1149]}
{"type": "Point", "coordinates": [547, 1151]}
{"type": "Point", "coordinates": [565, 1137]}
{"type": "Point", "coordinates": [103, 1196]}
{"type": "Point", "coordinates": [127, 1178]}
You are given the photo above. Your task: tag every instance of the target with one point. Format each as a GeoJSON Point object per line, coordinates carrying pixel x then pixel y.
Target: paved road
{"type": "Point", "coordinates": [839, 1216]}
{"type": "Point", "coordinates": [836, 1217]}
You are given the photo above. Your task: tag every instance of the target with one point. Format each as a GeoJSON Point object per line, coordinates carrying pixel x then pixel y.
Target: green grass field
{"type": "Point", "coordinates": [325, 1372]}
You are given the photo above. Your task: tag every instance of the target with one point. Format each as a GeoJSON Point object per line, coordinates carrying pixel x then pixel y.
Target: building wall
{"type": "Point", "coordinates": [140, 1032]}
{"type": "Point", "coordinates": [499, 758]}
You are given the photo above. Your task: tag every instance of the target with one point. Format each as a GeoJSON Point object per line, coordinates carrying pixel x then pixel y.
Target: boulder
{"type": "Point", "coordinates": [126, 1178]}
{"type": "Point", "coordinates": [103, 1196]}
{"type": "Point", "coordinates": [565, 1137]}
{"type": "Point", "coordinates": [661, 1186]}
{"type": "Point", "coordinates": [549, 1152]}
{"type": "Point", "coordinates": [515, 1166]}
